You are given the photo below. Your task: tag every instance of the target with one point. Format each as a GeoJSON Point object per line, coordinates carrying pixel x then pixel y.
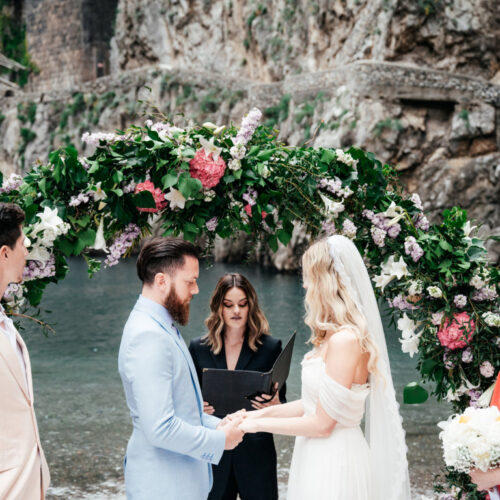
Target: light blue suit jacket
{"type": "Point", "coordinates": [173, 443]}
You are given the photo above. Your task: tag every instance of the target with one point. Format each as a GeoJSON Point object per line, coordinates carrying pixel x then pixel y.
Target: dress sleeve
{"type": "Point", "coordinates": [342, 404]}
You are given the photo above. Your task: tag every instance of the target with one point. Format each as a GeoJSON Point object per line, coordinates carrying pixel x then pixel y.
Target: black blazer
{"type": "Point", "coordinates": [253, 461]}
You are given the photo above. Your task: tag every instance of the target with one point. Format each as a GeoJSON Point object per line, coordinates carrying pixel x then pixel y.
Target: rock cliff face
{"type": "Point", "coordinates": [269, 40]}
{"type": "Point", "coordinates": [215, 60]}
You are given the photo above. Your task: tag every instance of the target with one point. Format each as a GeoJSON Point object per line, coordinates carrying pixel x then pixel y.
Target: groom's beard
{"type": "Point", "coordinates": [178, 310]}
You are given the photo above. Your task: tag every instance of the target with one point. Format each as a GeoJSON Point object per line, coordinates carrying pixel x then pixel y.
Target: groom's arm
{"type": "Point", "coordinates": [210, 421]}
{"type": "Point", "coordinates": [150, 368]}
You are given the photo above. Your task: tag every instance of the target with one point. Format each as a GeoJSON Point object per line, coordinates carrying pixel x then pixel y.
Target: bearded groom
{"type": "Point", "coordinates": [173, 443]}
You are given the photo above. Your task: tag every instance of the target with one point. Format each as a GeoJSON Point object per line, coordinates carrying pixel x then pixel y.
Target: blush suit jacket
{"type": "Point", "coordinates": [24, 473]}
{"type": "Point", "coordinates": [173, 443]}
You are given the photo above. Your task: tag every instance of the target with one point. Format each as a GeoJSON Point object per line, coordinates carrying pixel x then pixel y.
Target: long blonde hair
{"type": "Point", "coordinates": [329, 305]}
{"type": "Point", "coordinates": [257, 324]}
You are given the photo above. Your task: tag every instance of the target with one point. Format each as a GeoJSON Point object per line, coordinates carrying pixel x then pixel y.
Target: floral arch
{"type": "Point", "coordinates": [208, 180]}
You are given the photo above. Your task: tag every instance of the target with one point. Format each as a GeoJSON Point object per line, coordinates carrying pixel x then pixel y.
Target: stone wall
{"type": "Point", "coordinates": [441, 130]}
{"type": "Point", "coordinates": [68, 40]}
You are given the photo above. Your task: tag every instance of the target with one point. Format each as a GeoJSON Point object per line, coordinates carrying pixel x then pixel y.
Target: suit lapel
{"type": "Point", "coordinates": [219, 359]}
{"type": "Point", "coordinates": [245, 356]}
{"type": "Point", "coordinates": [27, 363]}
{"type": "Point", "coordinates": [12, 362]}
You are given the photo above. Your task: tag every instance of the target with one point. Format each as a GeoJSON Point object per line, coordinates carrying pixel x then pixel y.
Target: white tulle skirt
{"type": "Point", "coordinates": [333, 468]}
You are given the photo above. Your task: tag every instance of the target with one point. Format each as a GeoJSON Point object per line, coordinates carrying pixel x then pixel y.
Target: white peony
{"type": "Point", "coordinates": [435, 292]}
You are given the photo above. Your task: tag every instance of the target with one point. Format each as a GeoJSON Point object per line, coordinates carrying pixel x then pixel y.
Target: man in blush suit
{"type": "Point", "coordinates": [24, 474]}
{"type": "Point", "coordinates": [173, 442]}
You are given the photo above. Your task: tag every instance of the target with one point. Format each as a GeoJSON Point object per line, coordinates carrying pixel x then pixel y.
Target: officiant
{"type": "Point", "coordinates": [238, 339]}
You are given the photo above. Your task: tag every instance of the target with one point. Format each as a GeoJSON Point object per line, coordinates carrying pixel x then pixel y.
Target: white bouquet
{"type": "Point", "coordinates": [472, 439]}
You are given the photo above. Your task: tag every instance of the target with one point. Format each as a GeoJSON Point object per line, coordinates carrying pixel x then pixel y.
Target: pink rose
{"type": "Point", "coordinates": [157, 193]}
{"type": "Point", "coordinates": [457, 333]}
{"type": "Point", "coordinates": [206, 169]}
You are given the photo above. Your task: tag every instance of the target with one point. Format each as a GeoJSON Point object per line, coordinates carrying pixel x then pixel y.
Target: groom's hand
{"type": "Point", "coordinates": [234, 435]}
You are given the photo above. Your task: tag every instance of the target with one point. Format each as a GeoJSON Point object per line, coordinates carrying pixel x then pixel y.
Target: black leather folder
{"type": "Point", "coordinates": [232, 390]}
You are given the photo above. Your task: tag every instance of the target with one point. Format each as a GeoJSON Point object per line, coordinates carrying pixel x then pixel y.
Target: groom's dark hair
{"type": "Point", "coordinates": [11, 218]}
{"type": "Point", "coordinates": [163, 255]}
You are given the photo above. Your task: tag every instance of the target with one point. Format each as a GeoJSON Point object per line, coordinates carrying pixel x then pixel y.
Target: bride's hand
{"type": "Point", "coordinates": [248, 425]}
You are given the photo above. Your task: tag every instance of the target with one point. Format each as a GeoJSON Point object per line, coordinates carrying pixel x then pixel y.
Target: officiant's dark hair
{"type": "Point", "coordinates": [11, 218]}
{"type": "Point", "coordinates": [163, 255]}
{"type": "Point", "coordinates": [257, 324]}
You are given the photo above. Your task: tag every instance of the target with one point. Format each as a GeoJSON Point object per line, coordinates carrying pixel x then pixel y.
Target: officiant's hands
{"type": "Point", "coordinates": [260, 401]}
{"type": "Point", "coordinates": [234, 434]}
{"type": "Point", "coordinates": [208, 408]}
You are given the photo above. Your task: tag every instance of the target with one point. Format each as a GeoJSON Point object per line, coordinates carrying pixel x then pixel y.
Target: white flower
{"type": "Point", "coordinates": [50, 226]}
{"type": "Point", "coordinates": [209, 195]}
{"type": "Point", "coordinates": [395, 268]}
{"type": "Point", "coordinates": [234, 164]}
{"type": "Point", "coordinates": [349, 229]}
{"type": "Point", "coordinates": [410, 339]}
{"type": "Point", "coordinates": [410, 345]}
{"type": "Point", "coordinates": [346, 158]}
{"type": "Point", "coordinates": [382, 280]}
{"type": "Point", "coordinates": [468, 229]}
{"type": "Point", "coordinates": [209, 125]}
{"type": "Point", "coordinates": [491, 318]}
{"type": "Point", "coordinates": [210, 147]}
{"type": "Point", "coordinates": [238, 151]}
{"type": "Point", "coordinates": [265, 172]}
{"type": "Point", "coordinates": [100, 242]}
{"type": "Point", "coordinates": [416, 287]}
{"type": "Point", "coordinates": [175, 198]}
{"type": "Point", "coordinates": [477, 282]}
{"type": "Point", "coordinates": [99, 194]}
{"type": "Point", "coordinates": [435, 292]}
{"type": "Point", "coordinates": [394, 212]}
{"type": "Point", "coordinates": [332, 207]}
{"type": "Point", "coordinates": [39, 252]}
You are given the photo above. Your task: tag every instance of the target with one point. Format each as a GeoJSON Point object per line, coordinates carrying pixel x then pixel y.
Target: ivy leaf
{"type": "Point", "coordinates": [327, 156]}
{"type": "Point", "coordinates": [169, 179]}
{"type": "Point", "coordinates": [414, 394]}
{"type": "Point", "coordinates": [144, 199]}
{"type": "Point", "coordinates": [284, 236]}
{"type": "Point", "coordinates": [265, 155]}
{"type": "Point", "coordinates": [189, 186]}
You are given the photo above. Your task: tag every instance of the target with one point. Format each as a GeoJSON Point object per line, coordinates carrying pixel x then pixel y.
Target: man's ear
{"type": "Point", "coordinates": [4, 250]}
{"type": "Point", "coordinates": [163, 281]}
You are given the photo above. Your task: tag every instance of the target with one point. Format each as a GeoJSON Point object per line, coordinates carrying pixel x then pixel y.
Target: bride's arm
{"type": "Point", "coordinates": [342, 357]}
{"type": "Point", "coordinates": [286, 410]}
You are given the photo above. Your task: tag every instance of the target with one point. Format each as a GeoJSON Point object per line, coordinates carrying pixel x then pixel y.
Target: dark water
{"type": "Point", "coordinates": [82, 414]}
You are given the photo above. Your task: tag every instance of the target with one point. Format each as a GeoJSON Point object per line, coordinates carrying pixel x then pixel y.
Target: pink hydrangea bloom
{"type": "Point", "coordinates": [158, 195]}
{"type": "Point", "coordinates": [457, 333]}
{"type": "Point", "coordinates": [206, 169]}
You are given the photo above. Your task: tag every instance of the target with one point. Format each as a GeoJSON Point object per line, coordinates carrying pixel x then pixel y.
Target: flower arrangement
{"type": "Point", "coordinates": [472, 439]}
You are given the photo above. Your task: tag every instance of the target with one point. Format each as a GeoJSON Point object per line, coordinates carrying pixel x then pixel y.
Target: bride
{"type": "Point", "coordinates": [332, 459]}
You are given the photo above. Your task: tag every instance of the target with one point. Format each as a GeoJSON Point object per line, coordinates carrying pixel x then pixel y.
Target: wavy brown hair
{"type": "Point", "coordinates": [257, 324]}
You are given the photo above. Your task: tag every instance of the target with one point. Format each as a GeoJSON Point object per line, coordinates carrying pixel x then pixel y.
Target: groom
{"type": "Point", "coordinates": [173, 443]}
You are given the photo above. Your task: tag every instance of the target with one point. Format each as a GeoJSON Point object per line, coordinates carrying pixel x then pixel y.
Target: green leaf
{"type": "Point", "coordinates": [117, 176]}
{"type": "Point", "coordinates": [273, 242]}
{"type": "Point", "coordinates": [265, 155]}
{"type": "Point", "coordinates": [169, 179]}
{"type": "Point", "coordinates": [238, 173]}
{"type": "Point", "coordinates": [445, 245]}
{"type": "Point", "coordinates": [144, 199]}
{"type": "Point", "coordinates": [117, 191]}
{"type": "Point", "coordinates": [327, 156]}
{"type": "Point", "coordinates": [414, 394]}
{"type": "Point", "coordinates": [284, 236]}
{"type": "Point", "coordinates": [475, 252]}
{"type": "Point", "coordinates": [189, 186]}
{"type": "Point", "coordinates": [65, 246]}
{"type": "Point", "coordinates": [428, 366]}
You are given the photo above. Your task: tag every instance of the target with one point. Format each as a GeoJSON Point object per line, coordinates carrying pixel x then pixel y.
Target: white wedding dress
{"type": "Point", "coordinates": [336, 467]}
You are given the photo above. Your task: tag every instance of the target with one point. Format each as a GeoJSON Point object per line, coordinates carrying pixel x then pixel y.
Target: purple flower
{"type": "Point", "coordinates": [328, 227]}
{"type": "Point", "coordinates": [368, 214]}
{"type": "Point", "coordinates": [460, 301]}
{"type": "Point", "coordinates": [96, 138]}
{"type": "Point", "coordinates": [394, 230]}
{"type": "Point", "coordinates": [485, 293]}
{"type": "Point", "coordinates": [437, 318]}
{"type": "Point", "coordinates": [467, 355]}
{"type": "Point", "coordinates": [474, 397]}
{"type": "Point", "coordinates": [349, 228]}
{"type": "Point", "coordinates": [122, 244]}
{"type": "Point", "coordinates": [13, 183]}
{"type": "Point", "coordinates": [378, 236]}
{"type": "Point", "coordinates": [415, 198]}
{"type": "Point", "coordinates": [413, 249]}
{"type": "Point", "coordinates": [130, 187]}
{"type": "Point", "coordinates": [401, 303]}
{"type": "Point", "coordinates": [421, 222]}
{"type": "Point", "coordinates": [486, 369]}
{"type": "Point", "coordinates": [37, 270]}
{"type": "Point", "coordinates": [212, 224]}
{"type": "Point", "coordinates": [250, 197]}
{"type": "Point", "coordinates": [248, 126]}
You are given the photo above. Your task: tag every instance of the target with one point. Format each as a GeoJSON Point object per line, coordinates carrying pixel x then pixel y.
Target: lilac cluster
{"type": "Point", "coordinates": [334, 186]}
{"type": "Point", "coordinates": [413, 249]}
{"type": "Point", "coordinates": [122, 244]}
{"type": "Point", "coordinates": [37, 270]}
{"type": "Point", "coordinates": [399, 302]}
{"type": "Point", "coordinates": [328, 227]}
{"type": "Point", "coordinates": [484, 294]}
{"type": "Point", "coordinates": [250, 197]}
{"type": "Point", "coordinates": [474, 395]}
{"type": "Point", "coordinates": [421, 222]}
{"type": "Point", "coordinates": [486, 369]}
{"type": "Point", "coordinates": [81, 198]}
{"type": "Point", "coordinates": [96, 138]}
{"type": "Point", "coordinates": [378, 236]}
{"type": "Point", "coordinates": [248, 126]}
{"type": "Point", "coordinates": [84, 162]}
{"type": "Point", "coordinates": [349, 229]}
{"type": "Point", "coordinates": [467, 355]}
{"type": "Point", "coordinates": [460, 301]}
{"type": "Point", "coordinates": [212, 224]}
{"type": "Point", "coordinates": [13, 183]}
{"type": "Point", "coordinates": [14, 294]}
{"type": "Point", "coordinates": [415, 198]}
{"type": "Point", "coordinates": [130, 187]}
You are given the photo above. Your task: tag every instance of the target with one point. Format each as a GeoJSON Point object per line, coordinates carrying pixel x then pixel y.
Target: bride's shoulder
{"type": "Point", "coordinates": [345, 340]}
